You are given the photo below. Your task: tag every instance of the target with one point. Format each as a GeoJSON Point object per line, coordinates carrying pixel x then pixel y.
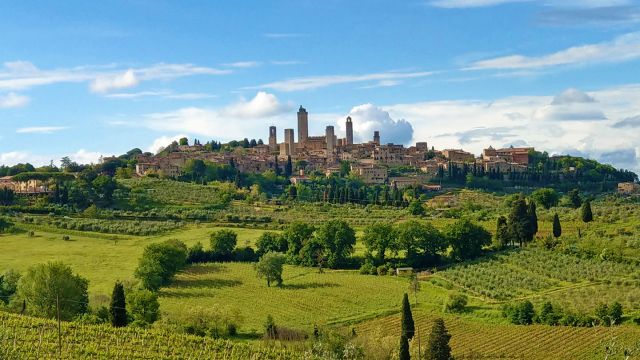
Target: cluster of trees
{"type": "Point", "coordinates": [422, 243]}
{"type": "Point", "coordinates": [53, 290]}
{"type": "Point", "coordinates": [524, 313]}
{"type": "Point", "coordinates": [222, 248]}
{"type": "Point", "coordinates": [331, 243]}
{"type": "Point", "coordinates": [7, 196]}
{"type": "Point", "coordinates": [438, 347]}
{"type": "Point", "coordinates": [558, 171]}
{"type": "Point", "coordinates": [212, 145]}
{"type": "Point", "coordinates": [350, 190]}
{"type": "Point", "coordinates": [520, 226]}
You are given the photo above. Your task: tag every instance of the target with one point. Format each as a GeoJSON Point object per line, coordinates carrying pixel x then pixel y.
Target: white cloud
{"type": "Point", "coordinates": [559, 128]}
{"type": "Point", "coordinates": [83, 156]}
{"type": "Point", "coordinates": [235, 121]}
{"type": "Point", "coordinates": [571, 96]}
{"type": "Point", "coordinates": [368, 118]}
{"type": "Point", "coordinates": [19, 75]}
{"type": "Point", "coordinates": [623, 48]}
{"type": "Point", "coordinates": [164, 94]}
{"type": "Point", "coordinates": [314, 82]}
{"type": "Point", "coordinates": [105, 83]}
{"type": "Point", "coordinates": [13, 100]}
{"type": "Point", "coordinates": [40, 129]}
{"type": "Point", "coordinates": [262, 105]}
{"type": "Point", "coordinates": [14, 157]}
{"type": "Point", "coordinates": [244, 64]}
{"type": "Point", "coordinates": [162, 142]}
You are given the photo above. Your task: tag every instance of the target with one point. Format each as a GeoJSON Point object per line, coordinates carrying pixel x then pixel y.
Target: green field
{"type": "Point", "coordinates": [342, 300]}
{"type": "Point", "coordinates": [307, 298]}
{"type": "Point", "coordinates": [102, 259]}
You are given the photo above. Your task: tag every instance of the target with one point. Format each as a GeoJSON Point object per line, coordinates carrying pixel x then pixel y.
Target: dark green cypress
{"type": "Point", "coordinates": [439, 348]}
{"type": "Point", "coordinates": [404, 348]}
{"type": "Point", "coordinates": [587, 215]}
{"type": "Point", "coordinates": [408, 327]}
{"type": "Point", "coordinates": [557, 229]}
{"type": "Point", "coordinates": [533, 220]}
{"type": "Point", "coordinates": [117, 307]}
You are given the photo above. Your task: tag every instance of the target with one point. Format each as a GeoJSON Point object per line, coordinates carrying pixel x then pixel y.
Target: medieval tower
{"type": "Point", "coordinates": [349, 131]}
{"type": "Point", "coordinates": [303, 125]}
{"type": "Point", "coordinates": [273, 138]}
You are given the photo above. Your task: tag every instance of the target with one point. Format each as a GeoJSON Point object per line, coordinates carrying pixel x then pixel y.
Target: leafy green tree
{"type": "Point", "coordinates": [159, 262]}
{"type": "Point", "coordinates": [408, 327]}
{"type": "Point", "coordinates": [296, 235]}
{"type": "Point", "coordinates": [416, 208]}
{"type": "Point", "coordinates": [4, 224]}
{"type": "Point", "coordinates": [522, 313]}
{"type": "Point", "coordinates": [573, 198]}
{"type": "Point", "coordinates": [457, 303]}
{"type": "Point", "coordinates": [603, 314]}
{"type": "Point", "coordinates": [587, 215]}
{"type": "Point", "coordinates": [546, 197]}
{"type": "Point", "coordinates": [104, 187]}
{"type": "Point", "coordinates": [404, 353]}
{"type": "Point", "coordinates": [501, 238]}
{"type": "Point", "coordinates": [337, 239]}
{"type": "Point", "coordinates": [438, 346]}
{"type": "Point", "coordinates": [270, 267]}
{"type": "Point", "coordinates": [380, 237]}
{"type": "Point", "coordinates": [223, 242]}
{"type": "Point", "coordinates": [118, 306]}
{"type": "Point", "coordinates": [45, 287]}
{"type": "Point", "coordinates": [615, 313]}
{"type": "Point", "coordinates": [183, 141]}
{"type": "Point", "coordinates": [557, 228]}
{"type": "Point", "coordinates": [271, 241]}
{"type": "Point", "coordinates": [467, 239]}
{"type": "Point", "coordinates": [143, 306]}
{"type": "Point", "coordinates": [8, 285]}
{"type": "Point", "coordinates": [416, 236]}
{"type": "Point", "coordinates": [548, 315]}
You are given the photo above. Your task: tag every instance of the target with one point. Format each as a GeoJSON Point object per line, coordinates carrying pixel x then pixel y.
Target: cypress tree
{"type": "Point", "coordinates": [502, 233]}
{"type": "Point", "coordinates": [288, 167]}
{"type": "Point", "coordinates": [587, 215]}
{"type": "Point", "coordinates": [519, 221]}
{"type": "Point", "coordinates": [404, 348]}
{"type": "Point", "coordinates": [439, 348]}
{"type": "Point", "coordinates": [117, 307]}
{"type": "Point", "coordinates": [557, 229]}
{"type": "Point", "coordinates": [408, 327]}
{"type": "Point", "coordinates": [533, 220]}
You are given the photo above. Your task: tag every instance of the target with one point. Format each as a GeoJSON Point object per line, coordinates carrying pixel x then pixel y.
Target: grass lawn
{"type": "Point", "coordinates": [101, 258]}
{"type": "Point", "coordinates": [306, 297]}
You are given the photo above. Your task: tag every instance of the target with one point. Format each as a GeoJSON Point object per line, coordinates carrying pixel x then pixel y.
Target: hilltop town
{"type": "Point", "coordinates": [370, 161]}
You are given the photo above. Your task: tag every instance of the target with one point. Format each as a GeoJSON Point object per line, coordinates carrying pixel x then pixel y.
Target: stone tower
{"type": "Point", "coordinates": [273, 138]}
{"type": "Point", "coordinates": [303, 125]}
{"type": "Point", "coordinates": [289, 142]}
{"type": "Point", "coordinates": [376, 137]}
{"type": "Point", "coordinates": [349, 131]}
{"type": "Point", "coordinates": [331, 139]}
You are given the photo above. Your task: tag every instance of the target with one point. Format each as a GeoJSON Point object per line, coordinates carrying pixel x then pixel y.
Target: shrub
{"type": "Point", "coordinates": [368, 268]}
{"type": "Point", "coordinates": [456, 303]}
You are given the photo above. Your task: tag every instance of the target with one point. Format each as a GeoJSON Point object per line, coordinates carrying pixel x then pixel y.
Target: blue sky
{"type": "Point", "coordinates": [85, 78]}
